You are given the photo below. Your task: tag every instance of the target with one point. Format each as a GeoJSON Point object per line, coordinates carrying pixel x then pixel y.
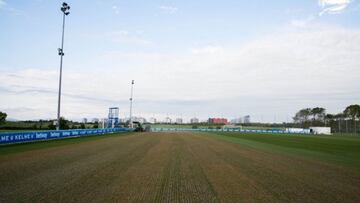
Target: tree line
{"type": "Point", "coordinates": [42, 124]}
{"type": "Point", "coordinates": [346, 121]}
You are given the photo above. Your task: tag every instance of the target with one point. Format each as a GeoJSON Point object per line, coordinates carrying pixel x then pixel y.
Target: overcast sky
{"type": "Point", "coordinates": [203, 58]}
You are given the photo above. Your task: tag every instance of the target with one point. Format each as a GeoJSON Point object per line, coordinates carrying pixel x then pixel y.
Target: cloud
{"type": "Point", "coordinates": [169, 9]}
{"type": "Point", "coordinates": [2, 3]}
{"type": "Point", "coordinates": [271, 75]}
{"type": "Point", "coordinates": [115, 9]}
{"type": "Point", "coordinates": [207, 50]}
{"type": "Point", "coordinates": [301, 23]}
{"type": "Point", "coordinates": [125, 37]}
{"type": "Point", "coordinates": [4, 7]}
{"type": "Point", "coordinates": [333, 6]}
{"type": "Point", "coordinates": [37, 89]}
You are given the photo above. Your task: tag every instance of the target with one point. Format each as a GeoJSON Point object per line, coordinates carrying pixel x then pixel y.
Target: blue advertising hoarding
{"type": "Point", "coordinates": [20, 137]}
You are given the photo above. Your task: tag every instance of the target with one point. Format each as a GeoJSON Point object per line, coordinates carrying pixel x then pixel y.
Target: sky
{"type": "Point", "coordinates": [204, 58]}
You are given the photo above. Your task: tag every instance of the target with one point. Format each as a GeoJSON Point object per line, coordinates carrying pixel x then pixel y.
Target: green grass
{"type": "Point", "coordinates": [343, 150]}
{"type": "Point", "coordinates": [23, 147]}
{"type": "Point", "coordinates": [347, 134]}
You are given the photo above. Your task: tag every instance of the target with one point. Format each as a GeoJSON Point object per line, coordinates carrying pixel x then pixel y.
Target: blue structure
{"type": "Point", "coordinates": [113, 118]}
{"type": "Point", "coordinates": [21, 137]}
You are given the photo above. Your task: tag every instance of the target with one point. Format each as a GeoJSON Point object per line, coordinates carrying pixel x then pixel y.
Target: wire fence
{"type": "Point", "coordinates": [228, 130]}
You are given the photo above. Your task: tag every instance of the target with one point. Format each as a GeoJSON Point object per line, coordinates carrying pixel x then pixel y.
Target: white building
{"type": "Point", "coordinates": [103, 123]}
{"type": "Point", "coordinates": [152, 120]}
{"type": "Point", "coordinates": [123, 120]}
{"type": "Point", "coordinates": [168, 120]}
{"type": "Point", "coordinates": [194, 120]}
{"type": "Point", "coordinates": [246, 119]}
{"type": "Point", "coordinates": [320, 130]}
{"type": "Point", "coordinates": [134, 119]}
{"type": "Point", "coordinates": [241, 120]}
{"type": "Point", "coordinates": [139, 119]}
{"type": "Point", "coordinates": [179, 121]}
{"type": "Point", "coordinates": [236, 121]}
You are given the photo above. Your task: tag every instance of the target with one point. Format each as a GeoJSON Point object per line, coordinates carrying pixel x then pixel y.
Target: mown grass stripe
{"type": "Point", "coordinates": [340, 150]}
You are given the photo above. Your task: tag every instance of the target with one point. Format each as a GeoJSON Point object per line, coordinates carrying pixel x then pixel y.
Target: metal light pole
{"type": "Point", "coordinates": [131, 100]}
{"type": "Point", "coordinates": [65, 9]}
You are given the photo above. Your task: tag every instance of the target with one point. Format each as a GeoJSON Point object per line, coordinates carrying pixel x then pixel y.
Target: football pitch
{"type": "Point", "coordinates": [183, 167]}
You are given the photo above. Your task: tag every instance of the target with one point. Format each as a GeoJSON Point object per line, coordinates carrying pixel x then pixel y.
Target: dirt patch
{"type": "Point", "coordinates": [278, 177]}
{"type": "Point", "coordinates": [170, 167]}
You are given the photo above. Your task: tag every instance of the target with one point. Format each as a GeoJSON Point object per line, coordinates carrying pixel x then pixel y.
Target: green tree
{"type": "Point", "coordinates": [318, 116]}
{"type": "Point", "coordinates": [2, 117]}
{"type": "Point", "coordinates": [64, 124]}
{"type": "Point", "coordinates": [353, 112]}
{"type": "Point", "coordinates": [329, 118]}
{"type": "Point", "coordinates": [96, 124]}
{"type": "Point", "coordinates": [51, 126]}
{"type": "Point", "coordinates": [318, 113]}
{"type": "Point", "coordinates": [302, 116]}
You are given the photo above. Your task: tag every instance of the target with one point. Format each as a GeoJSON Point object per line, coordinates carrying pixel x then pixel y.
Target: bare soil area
{"type": "Point", "coordinates": [170, 167]}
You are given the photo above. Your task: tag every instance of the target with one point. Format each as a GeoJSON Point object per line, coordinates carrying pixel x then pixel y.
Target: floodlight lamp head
{"type": "Point", "coordinates": [64, 8]}
{"type": "Point", "coordinates": [61, 53]}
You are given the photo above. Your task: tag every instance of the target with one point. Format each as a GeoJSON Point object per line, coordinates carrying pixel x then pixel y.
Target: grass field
{"type": "Point", "coordinates": [183, 167]}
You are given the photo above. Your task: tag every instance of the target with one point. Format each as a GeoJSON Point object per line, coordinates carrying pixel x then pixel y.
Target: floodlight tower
{"type": "Point", "coordinates": [131, 100]}
{"type": "Point", "coordinates": [65, 9]}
